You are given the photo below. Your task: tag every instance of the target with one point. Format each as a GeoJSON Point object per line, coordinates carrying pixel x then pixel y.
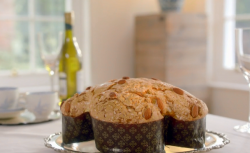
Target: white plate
{"type": "Point", "coordinates": [27, 117]}
{"type": "Point", "coordinates": [10, 113]}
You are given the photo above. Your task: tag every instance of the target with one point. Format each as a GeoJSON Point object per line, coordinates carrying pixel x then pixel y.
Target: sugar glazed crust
{"type": "Point", "coordinates": [78, 104]}
{"type": "Point", "coordinates": [135, 100]}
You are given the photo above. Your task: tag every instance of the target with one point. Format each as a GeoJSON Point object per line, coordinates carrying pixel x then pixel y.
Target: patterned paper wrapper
{"type": "Point", "coordinates": [77, 129]}
{"type": "Point", "coordinates": [190, 134]}
{"type": "Point", "coordinates": [129, 138]}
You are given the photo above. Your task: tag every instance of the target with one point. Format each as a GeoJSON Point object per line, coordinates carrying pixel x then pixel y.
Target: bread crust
{"type": "Point", "coordinates": [135, 100]}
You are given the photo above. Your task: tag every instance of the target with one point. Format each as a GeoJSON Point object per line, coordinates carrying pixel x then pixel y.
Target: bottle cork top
{"type": "Point", "coordinates": [69, 17]}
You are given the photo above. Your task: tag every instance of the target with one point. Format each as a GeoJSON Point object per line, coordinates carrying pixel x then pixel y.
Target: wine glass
{"type": "Point", "coordinates": [242, 46]}
{"type": "Point", "coordinates": [49, 49]}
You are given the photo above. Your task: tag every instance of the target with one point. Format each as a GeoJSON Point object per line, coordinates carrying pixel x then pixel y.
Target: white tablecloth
{"type": "Point", "coordinates": [30, 138]}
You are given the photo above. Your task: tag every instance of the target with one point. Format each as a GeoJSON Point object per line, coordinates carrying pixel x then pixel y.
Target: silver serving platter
{"type": "Point", "coordinates": [29, 118]}
{"type": "Point", "coordinates": [214, 140]}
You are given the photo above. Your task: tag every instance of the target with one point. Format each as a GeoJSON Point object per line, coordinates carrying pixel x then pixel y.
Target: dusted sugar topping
{"type": "Point", "coordinates": [78, 104]}
{"type": "Point", "coordinates": [137, 100]}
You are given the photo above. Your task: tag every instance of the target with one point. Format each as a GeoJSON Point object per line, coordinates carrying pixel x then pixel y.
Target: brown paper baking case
{"type": "Point", "coordinates": [190, 134]}
{"type": "Point", "coordinates": [77, 129]}
{"type": "Point", "coordinates": [129, 138]}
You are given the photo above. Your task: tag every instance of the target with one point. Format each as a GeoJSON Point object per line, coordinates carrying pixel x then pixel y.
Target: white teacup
{"type": "Point", "coordinates": [41, 104]}
{"type": "Point", "coordinates": [8, 97]}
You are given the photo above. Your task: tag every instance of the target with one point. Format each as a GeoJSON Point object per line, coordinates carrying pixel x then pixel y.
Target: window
{"type": "Point", "coordinates": [224, 16]}
{"type": "Point", "coordinates": [20, 23]}
{"type": "Point", "coordinates": [237, 15]}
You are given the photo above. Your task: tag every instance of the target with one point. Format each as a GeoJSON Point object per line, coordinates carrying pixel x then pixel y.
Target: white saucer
{"type": "Point", "coordinates": [10, 113]}
{"type": "Point", "coordinates": [27, 117]}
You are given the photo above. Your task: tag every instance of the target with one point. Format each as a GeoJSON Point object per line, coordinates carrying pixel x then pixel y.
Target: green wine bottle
{"type": "Point", "coordinates": [69, 61]}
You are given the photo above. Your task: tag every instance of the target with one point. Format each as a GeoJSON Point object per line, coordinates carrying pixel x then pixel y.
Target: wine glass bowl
{"type": "Point", "coordinates": [242, 47]}
{"type": "Point", "coordinates": [50, 46]}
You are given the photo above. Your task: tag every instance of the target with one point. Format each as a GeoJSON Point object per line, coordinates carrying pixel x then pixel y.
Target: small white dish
{"type": "Point", "coordinates": [9, 96]}
{"type": "Point", "coordinates": [10, 113]}
{"type": "Point", "coordinates": [41, 104]}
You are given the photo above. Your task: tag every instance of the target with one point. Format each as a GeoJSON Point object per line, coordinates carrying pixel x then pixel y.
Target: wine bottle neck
{"type": "Point", "coordinates": [68, 31]}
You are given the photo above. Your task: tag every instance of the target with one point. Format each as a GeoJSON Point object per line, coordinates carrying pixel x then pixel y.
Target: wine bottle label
{"type": "Point", "coordinates": [62, 84]}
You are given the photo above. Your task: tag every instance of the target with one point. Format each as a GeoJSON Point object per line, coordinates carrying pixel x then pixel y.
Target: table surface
{"type": "Point", "coordinates": [30, 138]}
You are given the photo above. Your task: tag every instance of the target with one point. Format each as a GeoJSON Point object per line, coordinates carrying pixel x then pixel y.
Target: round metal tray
{"type": "Point", "coordinates": [214, 140]}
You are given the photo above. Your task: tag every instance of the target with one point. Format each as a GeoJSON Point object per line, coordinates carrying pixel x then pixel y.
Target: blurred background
{"type": "Point", "coordinates": [188, 43]}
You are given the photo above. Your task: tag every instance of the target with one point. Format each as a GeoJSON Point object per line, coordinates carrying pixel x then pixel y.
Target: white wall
{"type": "Point", "coordinates": [112, 36]}
{"type": "Point", "coordinates": [229, 103]}
{"type": "Point", "coordinates": [111, 48]}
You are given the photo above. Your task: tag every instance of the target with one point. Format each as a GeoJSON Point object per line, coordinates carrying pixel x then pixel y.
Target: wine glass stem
{"type": "Point", "coordinates": [52, 82]}
{"type": "Point", "coordinates": [249, 104]}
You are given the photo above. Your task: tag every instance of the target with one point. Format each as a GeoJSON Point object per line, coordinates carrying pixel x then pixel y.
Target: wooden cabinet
{"type": "Point", "coordinates": [172, 47]}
